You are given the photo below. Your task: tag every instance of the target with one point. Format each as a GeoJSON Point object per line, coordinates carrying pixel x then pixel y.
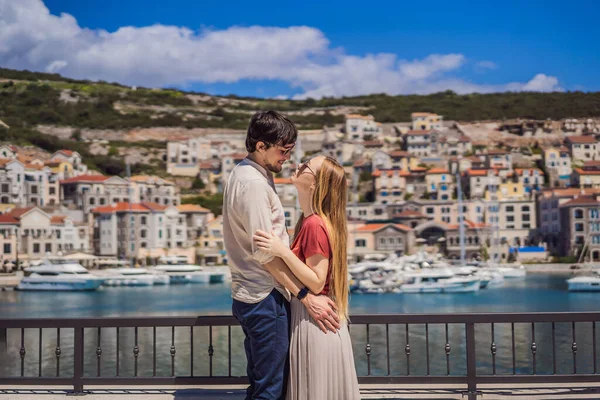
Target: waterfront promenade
{"type": "Point", "coordinates": [236, 392]}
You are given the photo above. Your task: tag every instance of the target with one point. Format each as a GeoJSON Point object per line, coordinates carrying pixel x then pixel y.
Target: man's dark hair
{"type": "Point", "coordinates": [270, 127]}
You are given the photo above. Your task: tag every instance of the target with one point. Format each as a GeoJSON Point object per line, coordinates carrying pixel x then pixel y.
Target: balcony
{"type": "Point", "coordinates": [457, 352]}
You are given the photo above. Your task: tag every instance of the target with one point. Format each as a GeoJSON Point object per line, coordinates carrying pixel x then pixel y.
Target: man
{"type": "Point", "coordinates": [262, 284]}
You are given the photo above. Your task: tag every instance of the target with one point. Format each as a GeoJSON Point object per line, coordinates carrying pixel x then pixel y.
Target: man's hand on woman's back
{"type": "Point", "coordinates": [322, 310]}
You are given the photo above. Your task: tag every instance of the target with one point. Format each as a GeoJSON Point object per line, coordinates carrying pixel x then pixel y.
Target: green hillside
{"type": "Point", "coordinates": [28, 99]}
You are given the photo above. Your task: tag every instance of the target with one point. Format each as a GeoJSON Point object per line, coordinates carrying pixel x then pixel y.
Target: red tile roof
{"type": "Point", "coordinates": [19, 211]}
{"type": "Point", "coordinates": [582, 171]}
{"type": "Point", "coordinates": [582, 201]}
{"type": "Point", "coordinates": [418, 169]}
{"type": "Point", "coordinates": [591, 164]}
{"type": "Point", "coordinates": [8, 219]}
{"type": "Point", "coordinates": [581, 139]}
{"type": "Point", "coordinates": [282, 181]}
{"type": "Point", "coordinates": [470, 224]}
{"type": "Point", "coordinates": [4, 161]}
{"type": "Point", "coordinates": [183, 208]}
{"type": "Point", "coordinates": [120, 207]}
{"type": "Point", "coordinates": [410, 214]}
{"type": "Point", "coordinates": [438, 171]}
{"type": "Point", "coordinates": [86, 179]}
{"type": "Point", "coordinates": [478, 172]}
{"type": "Point", "coordinates": [57, 219]}
{"type": "Point", "coordinates": [391, 172]}
{"type": "Point", "coordinates": [358, 116]}
{"type": "Point", "coordinates": [361, 163]}
{"type": "Point", "coordinates": [372, 143]}
{"type": "Point", "coordinates": [399, 153]}
{"type": "Point", "coordinates": [377, 227]}
{"type": "Point", "coordinates": [153, 206]}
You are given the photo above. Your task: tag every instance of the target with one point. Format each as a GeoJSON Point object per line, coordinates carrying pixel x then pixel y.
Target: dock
{"type": "Point", "coordinates": [371, 392]}
{"type": "Point", "coordinates": [10, 281]}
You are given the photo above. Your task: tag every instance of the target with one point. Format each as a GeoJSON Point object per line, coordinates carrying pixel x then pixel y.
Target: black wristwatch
{"type": "Point", "coordinates": [302, 293]}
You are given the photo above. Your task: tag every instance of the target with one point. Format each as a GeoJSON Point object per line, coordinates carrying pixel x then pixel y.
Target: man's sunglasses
{"type": "Point", "coordinates": [283, 150]}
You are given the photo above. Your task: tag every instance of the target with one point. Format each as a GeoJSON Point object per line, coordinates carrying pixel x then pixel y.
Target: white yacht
{"type": "Point", "coordinates": [512, 272]}
{"type": "Point", "coordinates": [189, 273]}
{"type": "Point", "coordinates": [57, 274]}
{"type": "Point", "coordinates": [128, 277]}
{"type": "Point", "coordinates": [441, 280]}
{"type": "Point", "coordinates": [584, 284]}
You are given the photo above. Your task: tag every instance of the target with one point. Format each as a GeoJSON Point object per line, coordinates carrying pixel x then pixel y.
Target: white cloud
{"type": "Point", "coordinates": [483, 66]}
{"type": "Point", "coordinates": [160, 55]}
{"type": "Point", "coordinates": [542, 83]}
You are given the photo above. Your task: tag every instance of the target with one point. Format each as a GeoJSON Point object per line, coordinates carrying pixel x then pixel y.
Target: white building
{"type": "Point", "coordinates": [359, 126]}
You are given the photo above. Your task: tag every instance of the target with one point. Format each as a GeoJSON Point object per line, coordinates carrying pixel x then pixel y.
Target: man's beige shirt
{"type": "Point", "coordinates": [250, 203]}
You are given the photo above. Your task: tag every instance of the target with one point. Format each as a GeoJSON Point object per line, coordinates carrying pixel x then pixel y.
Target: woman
{"type": "Point", "coordinates": [321, 364]}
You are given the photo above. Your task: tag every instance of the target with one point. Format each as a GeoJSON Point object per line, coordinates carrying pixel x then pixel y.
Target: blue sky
{"type": "Point", "coordinates": [346, 48]}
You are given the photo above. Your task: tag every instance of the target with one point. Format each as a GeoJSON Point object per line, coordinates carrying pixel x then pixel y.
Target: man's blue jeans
{"type": "Point", "coordinates": [266, 327]}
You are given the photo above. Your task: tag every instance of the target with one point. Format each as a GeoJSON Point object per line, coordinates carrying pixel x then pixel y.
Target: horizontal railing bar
{"type": "Point", "coordinates": [167, 380]}
{"type": "Point", "coordinates": [537, 378]}
{"type": "Point", "coordinates": [227, 320]}
{"type": "Point", "coordinates": [121, 322]}
{"type": "Point", "coordinates": [476, 318]}
{"type": "Point", "coordinates": [382, 380]}
{"type": "Point", "coordinates": [30, 380]}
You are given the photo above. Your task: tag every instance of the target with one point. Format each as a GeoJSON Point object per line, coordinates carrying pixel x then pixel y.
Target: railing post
{"type": "Point", "coordinates": [3, 339]}
{"type": "Point", "coordinates": [471, 364]}
{"type": "Point", "coordinates": [78, 363]}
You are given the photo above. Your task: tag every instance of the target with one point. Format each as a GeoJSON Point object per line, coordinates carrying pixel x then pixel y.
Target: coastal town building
{"type": "Point", "coordinates": [424, 121]}
{"type": "Point", "coordinates": [361, 127]}
{"type": "Point", "coordinates": [580, 234]}
{"type": "Point", "coordinates": [557, 163]}
{"type": "Point", "coordinates": [583, 148]}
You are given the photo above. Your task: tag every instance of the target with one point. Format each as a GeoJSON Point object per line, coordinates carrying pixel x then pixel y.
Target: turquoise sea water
{"type": "Point", "coordinates": [535, 293]}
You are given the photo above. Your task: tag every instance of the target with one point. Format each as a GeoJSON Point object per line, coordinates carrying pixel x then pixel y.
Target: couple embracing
{"type": "Point", "coordinates": [291, 300]}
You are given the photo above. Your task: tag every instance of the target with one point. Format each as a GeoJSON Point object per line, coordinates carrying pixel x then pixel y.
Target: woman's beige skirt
{"type": "Point", "coordinates": [321, 364]}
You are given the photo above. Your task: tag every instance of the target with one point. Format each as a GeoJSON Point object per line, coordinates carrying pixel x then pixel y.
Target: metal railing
{"type": "Point", "coordinates": [398, 349]}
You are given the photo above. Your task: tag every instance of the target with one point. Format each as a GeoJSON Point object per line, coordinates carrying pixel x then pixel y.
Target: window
{"type": "Point", "coordinates": [360, 243]}
{"type": "Point", "coordinates": [160, 233]}
{"type": "Point", "coordinates": [5, 188]}
{"type": "Point", "coordinates": [48, 248]}
{"type": "Point", "coordinates": [578, 213]}
{"type": "Point", "coordinates": [382, 241]}
{"type": "Point", "coordinates": [510, 218]}
{"type": "Point", "coordinates": [429, 210]}
{"type": "Point", "coordinates": [579, 240]}
{"type": "Point", "coordinates": [510, 208]}
{"type": "Point", "coordinates": [34, 190]}
{"type": "Point", "coordinates": [578, 227]}
{"type": "Point", "coordinates": [143, 233]}
{"type": "Point", "coordinates": [36, 247]}
{"type": "Point", "coordinates": [52, 190]}
{"type": "Point", "coordinates": [92, 201]}
{"type": "Point", "coordinates": [526, 217]}
{"type": "Point", "coordinates": [58, 234]}
{"type": "Point", "coordinates": [7, 249]}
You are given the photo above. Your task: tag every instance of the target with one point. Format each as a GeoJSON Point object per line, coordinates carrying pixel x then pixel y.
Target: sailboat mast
{"type": "Point", "coordinates": [461, 219]}
{"type": "Point", "coordinates": [131, 236]}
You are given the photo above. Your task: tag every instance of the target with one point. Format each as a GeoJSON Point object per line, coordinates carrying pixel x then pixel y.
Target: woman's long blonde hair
{"type": "Point", "coordinates": [329, 202]}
